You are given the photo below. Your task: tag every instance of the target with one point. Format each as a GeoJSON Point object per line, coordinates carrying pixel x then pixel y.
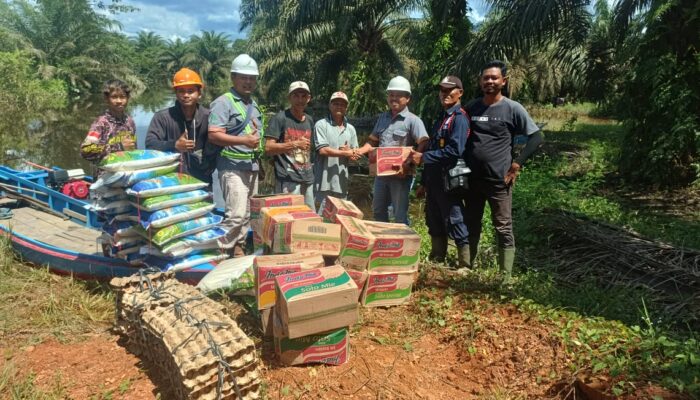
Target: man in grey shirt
{"type": "Point", "coordinates": [495, 121]}
{"type": "Point", "coordinates": [336, 145]}
{"type": "Point", "coordinates": [397, 127]}
{"type": "Point", "coordinates": [235, 123]}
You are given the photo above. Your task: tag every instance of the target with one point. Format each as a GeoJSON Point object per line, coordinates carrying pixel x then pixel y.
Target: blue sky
{"type": "Point", "coordinates": [184, 18]}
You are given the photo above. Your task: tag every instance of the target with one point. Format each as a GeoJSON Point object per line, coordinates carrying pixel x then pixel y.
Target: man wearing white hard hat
{"type": "Point", "coordinates": [288, 141]}
{"type": "Point", "coordinates": [336, 144]}
{"type": "Point", "coordinates": [397, 127]}
{"type": "Point", "coordinates": [236, 124]}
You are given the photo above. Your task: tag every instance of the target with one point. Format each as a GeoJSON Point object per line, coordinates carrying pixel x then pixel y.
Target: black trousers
{"type": "Point", "coordinates": [500, 199]}
{"type": "Point", "coordinates": [444, 214]}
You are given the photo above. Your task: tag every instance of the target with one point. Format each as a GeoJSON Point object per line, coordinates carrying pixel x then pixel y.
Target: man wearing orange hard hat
{"type": "Point", "coordinates": [183, 127]}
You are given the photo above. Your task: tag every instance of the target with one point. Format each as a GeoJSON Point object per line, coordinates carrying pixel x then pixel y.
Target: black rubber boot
{"type": "Point", "coordinates": [438, 250]}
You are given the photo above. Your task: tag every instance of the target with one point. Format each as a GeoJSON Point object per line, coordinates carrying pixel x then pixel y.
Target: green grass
{"type": "Point", "coordinates": [35, 304]}
{"type": "Point", "coordinates": [14, 387]}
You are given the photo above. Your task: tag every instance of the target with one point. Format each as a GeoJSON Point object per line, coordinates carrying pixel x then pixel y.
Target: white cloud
{"type": "Point", "coordinates": [182, 18]}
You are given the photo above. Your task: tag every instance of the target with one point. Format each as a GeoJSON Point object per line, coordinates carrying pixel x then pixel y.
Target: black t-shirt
{"type": "Point", "coordinates": [492, 131]}
{"type": "Point", "coordinates": [296, 165]}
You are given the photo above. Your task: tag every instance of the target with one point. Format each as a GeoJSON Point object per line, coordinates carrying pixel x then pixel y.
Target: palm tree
{"type": "Point", "coordinates": [68, 38]}
{"type": "Point", "coordinates": [334, 44]}
{"type": "Point", "coordinates": [212, 57]}
{"type": "Point", "coordinates": [176, 54]}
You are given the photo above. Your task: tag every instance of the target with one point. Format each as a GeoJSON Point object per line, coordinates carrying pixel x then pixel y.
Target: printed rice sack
{"type": "Point", "coordinates": [203, 240]}
{"type": "Point", "coordinates": [169, 216]}
{"type": "Point", "coordinates": [136, 159]}
{"type": "Point", "coordinates": [170, 200]}
{"type": "Point", "coordinates": [166, 184]}
{"type": "Point", "coordinates": [127, 178]}
{"type": "Point", "coordinates": [160, 237]}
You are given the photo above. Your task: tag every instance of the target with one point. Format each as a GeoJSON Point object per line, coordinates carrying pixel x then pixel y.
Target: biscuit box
{"type": "Point", "coordinates": [307, 235]}
{"type": "Point", "coordinates": [396, 247]}
{"type": "Point", "coordinates": [335, 206]}
{"type": "Point", "coordinates": [357, 243]}
{"type": "Point", "coordinates": [388, 161]}
{"type": "Point", "coordinates": [391, 289]}
{"type": "Point", "coordinates": [276, 218]}
{"type": "Point", "coordinates": [360, 277]}
{"type": "Point", "coordinates": [258, 202]}
{"type": "Point", "coordinates": [266, 317]}
{"type": "Point", "coordinates": [316, 300]}
{"type": "Point", "coordinates": [268, 267]}
{"type": "Point", "coordinates": [330, 347]}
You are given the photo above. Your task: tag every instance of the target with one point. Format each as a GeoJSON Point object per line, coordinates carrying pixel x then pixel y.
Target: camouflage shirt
{"type": "Point", "coordinates": [105, 136]}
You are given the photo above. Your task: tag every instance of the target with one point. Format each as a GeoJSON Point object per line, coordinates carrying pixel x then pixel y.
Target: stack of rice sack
{"type": "Point", "coordinates": [118, 171]}
{"type": "Point", "coordinates": [165, 217]}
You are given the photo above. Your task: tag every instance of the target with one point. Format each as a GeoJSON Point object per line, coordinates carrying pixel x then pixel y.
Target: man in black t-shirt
{"type": "Point", "coordinates": [495, 121]}
{"type": "Point", "coordinates": [288, 140]}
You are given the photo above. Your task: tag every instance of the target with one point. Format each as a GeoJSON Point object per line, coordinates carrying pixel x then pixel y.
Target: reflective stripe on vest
{"type": "Point", "coordinates": [237, 155]}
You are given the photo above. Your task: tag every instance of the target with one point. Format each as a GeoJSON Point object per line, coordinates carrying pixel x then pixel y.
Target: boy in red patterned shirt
{"type": "Point", "coordinates": [115, 129]}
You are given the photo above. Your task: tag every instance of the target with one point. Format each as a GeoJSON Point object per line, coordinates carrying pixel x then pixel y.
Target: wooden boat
{"type": "Point", "coordinates": [48, 228]}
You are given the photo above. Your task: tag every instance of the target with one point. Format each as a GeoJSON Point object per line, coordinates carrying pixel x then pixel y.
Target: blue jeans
{"type": "Point", "coordinates": [305, 189]}
{"type": "Point", "coordinates": [391, 191]}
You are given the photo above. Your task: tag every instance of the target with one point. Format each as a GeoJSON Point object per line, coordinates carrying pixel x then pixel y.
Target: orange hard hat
{"type": "Point", "coordinates": [185, 77]}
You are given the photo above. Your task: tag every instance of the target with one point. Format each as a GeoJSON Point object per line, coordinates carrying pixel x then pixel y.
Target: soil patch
{"type": "Point", "coordinates": [97, 367]}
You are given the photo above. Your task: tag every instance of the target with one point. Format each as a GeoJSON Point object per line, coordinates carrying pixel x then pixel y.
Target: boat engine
{"type": "Point", "coordinates": [69, 182]}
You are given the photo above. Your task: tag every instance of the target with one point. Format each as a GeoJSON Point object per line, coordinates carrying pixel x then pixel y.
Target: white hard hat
{"type": "Point", "coordinates": [244, 64]}
{"type": "Point", "coordinates": [400, 84]}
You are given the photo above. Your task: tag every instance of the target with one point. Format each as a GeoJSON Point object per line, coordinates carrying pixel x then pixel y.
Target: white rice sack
{"type": "Point", "coordinates": [196, 259]}
{"type": "Point", "coordinates": [170, 200]}
{"type": "Point", "coordinates": [136, 159]}
{"type": "Point", "coordinates": [113, 207]}
{"type": "Point", "coordinates": [130, 216]}
{"type": "Point", "coordinates": [172, 215]}
{"type": "Point", "coordinates": [122, 241]}
{"type": "Point", "coordinates": [120, 229]}
{"type": "Point", "coordinates": [160, 237]}
{"type": "Point", "coordinates": [122, 179]}
{"type": "Point", "coordinates": [166, 184]}
{"type": "Point", "coordinates": [234, 275]}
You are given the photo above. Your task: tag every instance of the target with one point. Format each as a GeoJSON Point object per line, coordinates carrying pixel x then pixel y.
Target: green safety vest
{"type": "Point", "coordinates": [247, 130]}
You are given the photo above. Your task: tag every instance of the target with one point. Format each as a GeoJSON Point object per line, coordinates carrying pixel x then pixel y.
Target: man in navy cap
{"type": "Point", "coordinates": [444, 211]}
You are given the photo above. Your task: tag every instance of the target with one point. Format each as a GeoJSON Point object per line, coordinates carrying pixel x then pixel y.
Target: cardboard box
{"type": "Point", "coordinates": [306, 235]}
{"type": "Point", "coordinates": [316, 300]}
{"type": "Point", "coordinates": [357, 243]}
{"type": "Point", "coordinates": [330, 347]}
{"type": "Point", "coordinates": [396, 247]}
{"type": "Point", "coordinates": [388, 161]}
{"type": "Point", "coordinates": [268, 267]}
{"type": "Point", "coordinates": [391, 289]}
{"type": "Point", "coordinates": [336, 206]}
{"type": "Point", "coordinates": [275, 218]}
{"type": "Point", "coordinates": [258, 202]}
{"type": "Point", "coordinates": [360, 277]}
{"type": "Point", "coordinates": [266, 319]}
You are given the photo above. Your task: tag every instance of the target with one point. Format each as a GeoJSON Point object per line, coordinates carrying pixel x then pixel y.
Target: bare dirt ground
{"type": "Point", "coordinates": [485, 350]}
